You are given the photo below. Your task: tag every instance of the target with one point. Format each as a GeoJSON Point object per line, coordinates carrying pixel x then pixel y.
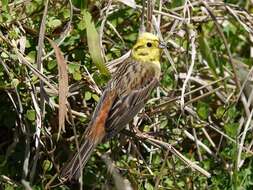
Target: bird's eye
{"type": "Point", "coordinates": [149, 44]}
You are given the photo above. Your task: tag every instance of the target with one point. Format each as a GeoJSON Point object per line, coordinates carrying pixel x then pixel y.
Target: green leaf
{"type": "Point", "coordinates": [220, 112]}
{"type": "Point", "coordinates": [163, 124]}
{"type": "Point", "coordinates": [77, 76]}
{"type": "Point", "coordinates": [66, 13]}
{"type": "Point", "coordinates": [31, 56]}
{"type": "Point", "coordinates": [72, 68]}
{"type": "Point", "coordinates": [4, 5]}
{"type": "Point", "coordinates": [27, 43]}
{"type": "Point", "coordinates": [4, 55]}
{"type": "Point", "coordinates": [30, 114]}
{"type": "Point", "coordinates": [168, 182]}
{"type": "Point", "coordinates": [47, 165]}
{"type": "Point", "coordinates": [94, 44]}
{"type": "Point", "coordinates": [8, 187]}
{"type": "Point", "coordinates": [203, 110]}
{"type": "Point", "coordinates": [87, 95]}
{"type": "Point", "coordinates": [156, 160]}
{"type": "Point", "coordinates": [232, 113]}
{"type": "Point", "coordinates": [81, 25]}
{"type": "Point", "coordinates": [231, 129]}
{"type": "Point", "coordinates": [31, 7]}
{"type": "Point", "coordinates": [131, 37]}
{"type": "Point", "coordinates": [207, 54]}
{"type": "Point", "coordinates": [95, 97]}
{"type": "Point", "coordinates": [146, 128]}
{"type": "Point", "coordinates": [54, 23]}
{"type": "Point", "coordinates": [148, 186]}
{"type": "Point", "coordinates": [14, 82]}
{"type": "Point", "coordinates": [51, 64]}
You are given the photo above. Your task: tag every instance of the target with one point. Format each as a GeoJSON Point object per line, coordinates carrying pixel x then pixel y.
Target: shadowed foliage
{"type": "Point", "coordinates": [194, 133]}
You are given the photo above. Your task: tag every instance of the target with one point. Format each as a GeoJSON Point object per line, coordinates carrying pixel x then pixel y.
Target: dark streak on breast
{"type": "Point", "coordinates": [143, 54]}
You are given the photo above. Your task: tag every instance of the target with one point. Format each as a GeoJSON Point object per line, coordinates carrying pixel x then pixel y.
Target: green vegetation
{"type": "Point", "coordinates": [201, 111]}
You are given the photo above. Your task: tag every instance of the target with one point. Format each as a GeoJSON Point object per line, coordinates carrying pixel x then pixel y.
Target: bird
{"type": "Point", "coordinates": [123, 97]}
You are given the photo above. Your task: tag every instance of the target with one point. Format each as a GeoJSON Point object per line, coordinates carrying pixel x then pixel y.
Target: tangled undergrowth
{"type": "Point", "coordinates": [195, 132]}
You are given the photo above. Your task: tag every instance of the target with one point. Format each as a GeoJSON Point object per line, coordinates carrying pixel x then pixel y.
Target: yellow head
{"type": "Point", "coordinates": [147, 48]}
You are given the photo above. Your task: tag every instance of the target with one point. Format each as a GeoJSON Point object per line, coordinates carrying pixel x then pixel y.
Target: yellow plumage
{"type": "Point", "coordinates": [147, 49]}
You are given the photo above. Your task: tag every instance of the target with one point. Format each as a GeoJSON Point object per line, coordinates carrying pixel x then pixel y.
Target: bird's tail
{"type": "Point", "coordinates": [93, 135]}
{"type": "Point", "coordinates": [72, 170]}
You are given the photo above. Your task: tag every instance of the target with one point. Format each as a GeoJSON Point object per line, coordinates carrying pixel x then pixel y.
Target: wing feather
{"type": "Point", "coordinates": [130, 102]}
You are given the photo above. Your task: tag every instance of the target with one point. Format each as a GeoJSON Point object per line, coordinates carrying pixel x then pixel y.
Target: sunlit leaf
{"type": "Point", "coordinates": [94, 44]}
{"type": "Point", "coordinates": [87, 95]}
{"type": "Point", "coordinates": [130, 3]}
{"type": "Point", "coordinates": [231, 129]}
{"type": "Point", "coordinates": [30, 114]}
{"type": "Point", "coordinates": [95, 97]}
{"type": "Point", "coordinates": [77, 75]}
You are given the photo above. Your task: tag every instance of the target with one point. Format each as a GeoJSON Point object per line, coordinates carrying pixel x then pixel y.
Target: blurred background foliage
{"type": "Point", "coordinates": [202, 106]}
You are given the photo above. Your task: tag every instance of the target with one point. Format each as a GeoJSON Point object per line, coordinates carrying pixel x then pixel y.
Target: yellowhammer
{"type": "Point", "coordinates": [124, 96]}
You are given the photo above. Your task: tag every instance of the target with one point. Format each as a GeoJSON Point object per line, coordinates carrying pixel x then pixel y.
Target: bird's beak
{"type": "Point", "coordinates": [162, 45]}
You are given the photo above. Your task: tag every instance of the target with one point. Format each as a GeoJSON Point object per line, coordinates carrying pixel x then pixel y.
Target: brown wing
{"type": "Point", "coordinates": [133, 92]}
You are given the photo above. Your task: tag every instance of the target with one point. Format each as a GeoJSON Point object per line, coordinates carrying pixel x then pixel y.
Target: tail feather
{"type": "Point", "coordinates": [93, 135]}
{"type": "Point", "coordinates": [72, 170]}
